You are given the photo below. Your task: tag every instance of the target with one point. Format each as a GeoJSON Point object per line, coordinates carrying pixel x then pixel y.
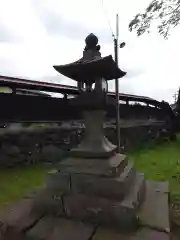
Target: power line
{"type": "Point", "coordinates": [107, 18]}
{"type": "Point", "coordinates": [117, 86]}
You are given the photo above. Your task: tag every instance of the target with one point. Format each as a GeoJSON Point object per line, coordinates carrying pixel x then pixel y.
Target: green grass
{"type": "Point", "coordinates": [160, 162]}
{"type": "Point", "coordinates": [16, 183]}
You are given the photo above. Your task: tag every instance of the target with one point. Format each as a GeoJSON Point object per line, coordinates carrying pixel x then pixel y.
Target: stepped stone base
{"type": "Point", "coordinates": [109, 167]}
{"type": "Point", "coordinates": [105, 191]}
{"type": "Point", "coordinates": [85, 196]}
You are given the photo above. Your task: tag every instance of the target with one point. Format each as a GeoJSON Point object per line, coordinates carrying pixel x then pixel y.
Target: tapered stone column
{"type": "Point", "coordinates": [94, 144]}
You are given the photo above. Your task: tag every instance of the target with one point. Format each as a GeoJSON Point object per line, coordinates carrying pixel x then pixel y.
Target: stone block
{"type": "Point", "coordinates": [19, 216]}
{"type": "Point", "coordinates": [10, 233]}
{"type": "Point", "coordinates": [42, 229]}
{"type": "Point", "coordinates": [111, 167]}
{"type": "Point", "coordinates": [112, 188]}
{"type": "Point", "coordinates": [51, 153]}
{"type": "Point", "coordinates": [136, 194]}
{"type": "Point", "coordinates": [70, 230]}
{"type": "Point", "coordinates": [100, 211]}
{"type": "Point", "coordinates": [58, 181]}
{"type": "Point", "coordinates": [141, 234]}
{"type": "Point", "coordinates": [154, 212]}
{"type": "Point", "coordinates": [48, 202]}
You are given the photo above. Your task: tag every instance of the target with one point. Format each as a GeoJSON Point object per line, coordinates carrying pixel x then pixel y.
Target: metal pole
{"type": "Point", "coordinates": [117, 86]}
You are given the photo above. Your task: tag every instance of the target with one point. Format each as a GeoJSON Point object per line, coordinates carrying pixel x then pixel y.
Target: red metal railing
{"type": "Point", "coordinates": [21, 83]}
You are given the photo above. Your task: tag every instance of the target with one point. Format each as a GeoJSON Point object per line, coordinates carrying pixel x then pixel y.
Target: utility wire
{"type": "Point", "coordinates": [107, 18]}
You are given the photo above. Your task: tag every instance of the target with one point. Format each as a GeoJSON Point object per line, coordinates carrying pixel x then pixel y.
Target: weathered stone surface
{"type": "Point", "coordinates": [10, 233]}
{"type": "Point", "coordinates": [58, 182]}
{"type": "Point", "coordinates": [42, 229]}
{"type": "Point", "coordinates": [162, 187]}
{"type": "Point", "coordinates": [113, 188]}
{"type": "Point", "coordinates": [50, 152]}
{"type": "Point", "coordinates": [105, 151]}
{"type": "Point", "coordinates": [13, 150]}
{"type": "Point", "coordinates": [20, 215]}
{"type": "Point", "coordinates": [70, 230]}
{"type": "Point", "coordinates": [111, 167]}
{"type": "Point", "coordinates": [136, 194]}
{"type": "Point", "coordinates": [47, 201]}
{"type": "Point", "coordinates": [94, 144]}
{"type": "Point", "coordinates": [141, 234]}
{"type": "Point", "coordinates": [100, 210]}
{"type": "Point", "coordinates": [155, 209]}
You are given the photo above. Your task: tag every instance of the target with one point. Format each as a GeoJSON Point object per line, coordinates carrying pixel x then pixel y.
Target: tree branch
{"type": "Point", "coordinates": [142, 22]}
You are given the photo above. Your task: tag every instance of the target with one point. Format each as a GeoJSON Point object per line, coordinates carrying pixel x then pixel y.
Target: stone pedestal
{"type": "Point", "coordinates": [106, 192]}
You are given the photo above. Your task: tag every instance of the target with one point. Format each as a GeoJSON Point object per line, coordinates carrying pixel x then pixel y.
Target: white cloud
{"type": "Point", "coordinates": [36, 34]}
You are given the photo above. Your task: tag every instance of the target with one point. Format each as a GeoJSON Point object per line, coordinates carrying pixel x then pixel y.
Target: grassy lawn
{"type": "Point", "coordinates": [16, 183]}
{"type": "Point", "coordinates": [162, 162]}
{"type": "Point", "coordinates": [158, 162]}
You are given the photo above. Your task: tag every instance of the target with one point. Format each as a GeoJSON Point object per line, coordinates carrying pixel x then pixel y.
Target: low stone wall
{"type": "Point", "coordinates": [32, 145]}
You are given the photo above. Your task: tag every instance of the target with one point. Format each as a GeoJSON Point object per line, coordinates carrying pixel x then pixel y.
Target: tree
{"type": "Point", "coordinates": [165, 12]}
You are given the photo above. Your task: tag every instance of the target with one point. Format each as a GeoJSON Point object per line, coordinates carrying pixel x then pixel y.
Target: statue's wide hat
{"type": "Point", "coordinates": [89, 70]}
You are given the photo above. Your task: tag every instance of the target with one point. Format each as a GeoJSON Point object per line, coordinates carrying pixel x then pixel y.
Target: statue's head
{"type": "Point", "coordinates": [91, 42]}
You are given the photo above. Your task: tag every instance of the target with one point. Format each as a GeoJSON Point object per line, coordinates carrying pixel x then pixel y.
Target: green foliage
{"type": "Point", "coordinates": [15, 183]}
{"type": "Point", "coordinates": [162, 163]}
{"type": "Point", "coordinates": [166, 12]}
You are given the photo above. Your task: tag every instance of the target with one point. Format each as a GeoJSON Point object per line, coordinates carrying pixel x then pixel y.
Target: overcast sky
{"type": "Point", "coordinates": [37, 34]}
